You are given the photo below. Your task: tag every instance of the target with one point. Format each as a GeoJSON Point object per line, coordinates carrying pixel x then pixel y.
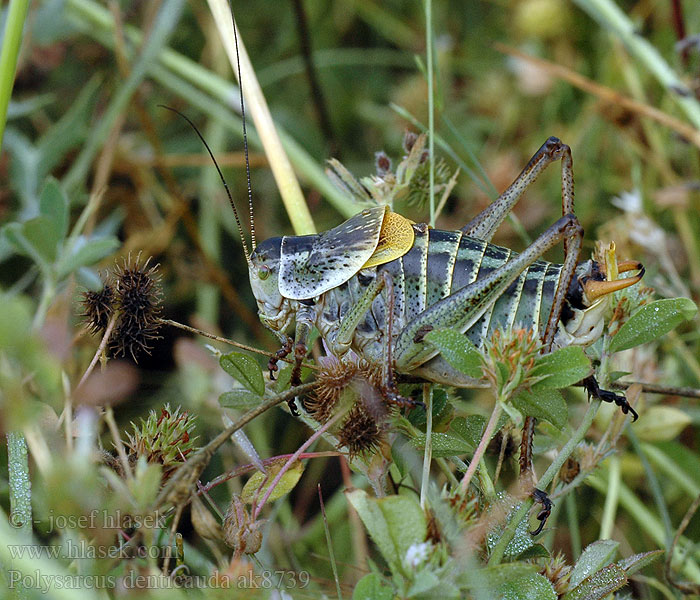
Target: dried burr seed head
{"type": "Point", "coordinates": [360, 432]}
{"type": "Point", "coordinates": [240, 531]}
{"type": "Point", "coordinates": [138, 299]}
{"type": "Point", "coordinates": [354, 389]}
{"type": "Point", "coordinates": [133, 292]}
{"type": "Point", "coordinates": [98, 308]}
{"type": "Point", "coordinates": [330, 384]}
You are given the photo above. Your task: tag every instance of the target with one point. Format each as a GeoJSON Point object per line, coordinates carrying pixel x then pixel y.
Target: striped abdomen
{"type": "Point", "coordinates": [440, 263]}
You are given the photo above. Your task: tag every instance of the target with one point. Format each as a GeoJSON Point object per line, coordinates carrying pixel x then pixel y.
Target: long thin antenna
{"type": "Point", "coordinates": [245, 135]}
{"type": "Point", "coordinates": [221, 176]}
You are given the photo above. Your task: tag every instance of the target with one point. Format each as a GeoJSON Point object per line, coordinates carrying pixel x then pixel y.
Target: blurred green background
{"type": "Point", "coordinates": [85, 109]}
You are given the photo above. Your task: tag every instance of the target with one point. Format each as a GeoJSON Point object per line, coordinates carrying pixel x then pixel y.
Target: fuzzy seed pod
{"type": "Point", "coordinates": [165, 439]}
{"type": "Point", "coordinates": [240, 533]}
{"type": "Point", "coordinates": [328, 388]}
{"type": "Point", "coordinates": [138, 300]}
{"type": "Point", "coordinates": [203, 521]}
{"type": "Point", "coordinates": [98, 308]}
{"type": "Point", "coordinates": [133, 292]}
{"type": "Point", "coordinates": [354, 389]}
{"type": "Point", "coordinates": [360, 432]}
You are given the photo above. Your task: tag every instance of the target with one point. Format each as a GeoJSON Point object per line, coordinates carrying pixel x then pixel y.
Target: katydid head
{"type": "Point", "coordinates": [582, 319]}
{"type": "Point", "coordinates": [263, 271]}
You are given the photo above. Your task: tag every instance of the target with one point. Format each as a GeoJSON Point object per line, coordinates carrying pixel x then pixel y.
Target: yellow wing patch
{"type": "Point", "coordinates": [395, 239]}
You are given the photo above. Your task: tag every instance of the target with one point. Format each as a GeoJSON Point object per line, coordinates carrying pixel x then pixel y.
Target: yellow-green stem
{"type": "Point", "coordinates": [428, 452]}
{"type": "Point", "coordinates": [481, 448]}
{"type": "Point", "coordinates": [282, 170]}
{"type": "Point", "coordinates": [515, 519]}
{"type": "Point", "coordinates": [12, 40]}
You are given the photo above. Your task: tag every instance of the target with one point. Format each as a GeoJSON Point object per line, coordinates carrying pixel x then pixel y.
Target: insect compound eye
{"type": "Point", "coordinates": [264, 272]}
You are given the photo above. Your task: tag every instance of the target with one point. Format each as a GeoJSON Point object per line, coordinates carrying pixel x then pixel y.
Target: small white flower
{"type": "Point", "coordinates": [416, 554]}
{"type": "Point", "coordinates": [630, 202]}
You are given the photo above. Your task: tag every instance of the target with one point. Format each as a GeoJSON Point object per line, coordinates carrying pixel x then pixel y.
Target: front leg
{"type": "Point", "coordinates": [305, 318]}
{"type": "Point", "coordinates": [282, 353]}
{"type": "Point", "coordinates": [346, 331]}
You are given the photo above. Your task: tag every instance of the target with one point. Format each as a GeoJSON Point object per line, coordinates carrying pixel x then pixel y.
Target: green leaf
{"type": "Point", "coordinates": [69, 131]}
{"type": "Point", "coordinates": [522, 540]}
{"type": "Point", "coordinates": [15, 322]}
{"type": "Point", "coordinates": [492, 578]}
{"type": "Point", "coordinates": [25, 107]}
{"type": "Point", "coordinates": [255, 488]}
{"type": "Point", "coordinates": [652, 321]}
{"type": "Point", "coordinates": [395, 523]}
{"type": "Point", "coordinates": [530, 587]}
{"type": "Point", "coordinates": [245, 369]}
{"type": "Point", "coordinates": [24, 164]}
{"type": "Point", "coordinates": [53, 204]}
{"type": "Point", "coordinates": [423, 582]}
{"type": "Point", "coordinates": [373, 587]}
{"type": "Point", "coordinates": [636, 562]}
{"type": "Point", "coordinates": [444, 444]}
{"type": "Point", "coordinates": [661, 423]}
{"type": "Point", "coordinates": [457, 350]}
{"type": "Point", "coordinates": [545, 404]}
{"type": "Point", "coordinates": [593, 558]}
{"type": "Point", "coordinates": [13, 233]}
{"type": "Point", "coordinates": [615, 375]}
{"type": "Point", "coordinates": [470, 428]}
{"type": "Point", "coordinates": [599, 585]}
{"type": "Point", "coordinates": [535, 551]}
{"type": "Point", "coordinates": [85, 253]}
{"type": "Point", "coordinates": [418, 416]}
{"type": "Point", "coordinates": [42, 235]}
{"type": "Point", "coordinates": [239, 398]}
{"type": "Point", "coordinates": [561, 368]}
